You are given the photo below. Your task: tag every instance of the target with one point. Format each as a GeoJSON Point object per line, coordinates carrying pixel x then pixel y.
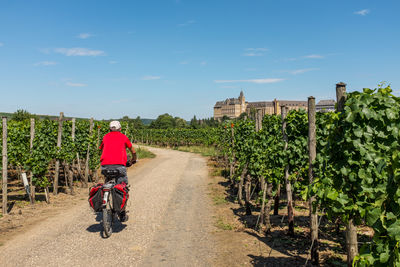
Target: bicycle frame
{"type": "Point", "coordinates": [106, 191]}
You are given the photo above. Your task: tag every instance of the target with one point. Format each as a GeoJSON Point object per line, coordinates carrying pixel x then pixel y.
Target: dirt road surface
{"type": "Point", "coordinates": [169, 223]}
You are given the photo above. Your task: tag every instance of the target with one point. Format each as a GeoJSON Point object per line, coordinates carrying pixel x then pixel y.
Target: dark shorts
{"type": "Point", "coordinates": [122, 170]}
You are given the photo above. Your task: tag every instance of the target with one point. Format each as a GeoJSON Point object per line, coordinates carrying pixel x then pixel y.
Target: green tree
{"type": "Point", "coordinates": [194, 124]}
{"type": "Point", "coordinates": [164, 121]}
{"type": "Point", "coordinates": [21, 115]}
{"type": "Point", "coordinates": [179, 123]}
{"type": "Point", "coordinates": [138, 123]}
{"type": "Point", "coordinates": [225, 118]}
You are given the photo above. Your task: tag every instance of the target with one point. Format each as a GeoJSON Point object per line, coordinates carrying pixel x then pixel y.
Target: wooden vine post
{"type": "Point", "coordinates": [88, 154]}
{"type": "Point", "coordinates": [241, 182]}
{"type": "Point", "coordinates": [232, 161]}
{"type": "Point", "coordinates": [5, 164]}
{"type": "Point", "coordinates": [30, 149]}
{"type": "Point", "coordinates": [263, 184]}
{"type": "Point", "coordinates": [69, 175]}
{"type": "Point", "coordinates": [312, 152]}
{"type": "Point", "coordinates": [267, 191]}
{"type": "Point", "coordinates": [287, 181]}
{"type": "Point", "coordinates": [351, 229]}
{"type": "Point", "coordinates": [96, 174]}
{"type": "Point", "coordinates": [56, 175]}
{"type": "Point", "coordinates": [78, 161]}
{"type": "Point", "coordinates": [247, 190]}
{"type": "Point", "coordinates": [278, 190]}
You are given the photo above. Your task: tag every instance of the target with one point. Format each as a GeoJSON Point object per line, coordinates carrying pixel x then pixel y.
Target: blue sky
{"type": "Point", "coordinates": [108, 59]}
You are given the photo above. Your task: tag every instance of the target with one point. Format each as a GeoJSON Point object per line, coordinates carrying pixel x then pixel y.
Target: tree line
{"type": "Point", "coordinates": [163, 121]}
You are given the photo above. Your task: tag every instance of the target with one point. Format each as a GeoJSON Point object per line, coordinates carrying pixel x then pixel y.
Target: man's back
{"type": "Point", "coordinates": [114, 146]}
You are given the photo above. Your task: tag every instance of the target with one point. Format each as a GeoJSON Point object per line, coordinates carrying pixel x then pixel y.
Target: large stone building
{"type": "Point", "coordinates": [233, 107]}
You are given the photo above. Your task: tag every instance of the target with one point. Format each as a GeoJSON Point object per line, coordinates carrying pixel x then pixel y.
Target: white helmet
{"type": "Point", "coordinates": [115, 125]}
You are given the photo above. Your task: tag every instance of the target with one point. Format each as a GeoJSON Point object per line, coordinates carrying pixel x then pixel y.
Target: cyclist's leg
{"type": "Point", "coordinates": [123, 176]}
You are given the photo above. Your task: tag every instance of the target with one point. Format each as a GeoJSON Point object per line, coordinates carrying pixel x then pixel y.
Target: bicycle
{"type": "Point", "coordinates": [108, 211]}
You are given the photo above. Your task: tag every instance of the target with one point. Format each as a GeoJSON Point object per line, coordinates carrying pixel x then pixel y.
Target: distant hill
{"type": "Point", "coordinates": [147, 121]}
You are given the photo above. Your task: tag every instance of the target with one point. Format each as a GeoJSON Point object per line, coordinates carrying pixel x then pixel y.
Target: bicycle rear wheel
{"type": "Point", "coordinates": [108, 218]}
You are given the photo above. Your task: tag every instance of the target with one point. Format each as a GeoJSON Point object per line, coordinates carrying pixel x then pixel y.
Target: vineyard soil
{"type": "Point", "coordinates": [239, 244]}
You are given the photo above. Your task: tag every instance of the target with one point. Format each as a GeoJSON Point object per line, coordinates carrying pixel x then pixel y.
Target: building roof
{"type": "Point", "coordinates": [292, 103]}
{"type": "Point", "coordinates": [261, 104]}
{"type": "Point", "coordinates": [228, 101]}
{"type": "Point", "coordinates": [328, 102]}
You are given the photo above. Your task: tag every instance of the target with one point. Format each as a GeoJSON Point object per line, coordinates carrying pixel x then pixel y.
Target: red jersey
{"type": "Point", "coordinates": [114, 146]}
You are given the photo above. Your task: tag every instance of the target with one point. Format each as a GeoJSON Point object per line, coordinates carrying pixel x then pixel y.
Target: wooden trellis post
{"type": "Point", "coordinates": [278, 190]}
{"type": "Point", "coordinates": [31, 148]}
{"type": "Point", "coordinates": [232, 162]}
{"type": "Point", "coordinates": [5, 164]}
{"type": "Point", "coordinates": [351, 229]}
{"type": "Point", "coordinates": [96, 175]}
{"type": "Point", "coordinates": [287, 181]}
{"type": "Point", "coordinates": [55, 186]}
{"type": "Point", "coordinates": [88, 154]}
{"type": "Point", "coordinates": [78, 161]}
{"type": "Point", "coordinates": [312, 152]}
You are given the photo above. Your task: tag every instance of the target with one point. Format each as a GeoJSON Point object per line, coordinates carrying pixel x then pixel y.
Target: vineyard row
{"type": "Point", "coordinates": [346, 164]}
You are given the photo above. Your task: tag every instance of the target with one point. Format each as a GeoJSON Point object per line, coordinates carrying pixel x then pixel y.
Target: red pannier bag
{"type": "Point", "coordinates": [120, 194]}
{"type": "Point", "coordinates": [96, 197]}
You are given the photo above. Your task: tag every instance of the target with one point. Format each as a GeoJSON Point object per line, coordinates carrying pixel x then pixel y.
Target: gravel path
{"type": "Point", "coordinates": [169, 223]}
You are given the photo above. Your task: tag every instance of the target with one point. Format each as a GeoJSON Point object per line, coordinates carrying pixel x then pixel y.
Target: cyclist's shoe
{"type": "Point", "coordinates": [123, 217]}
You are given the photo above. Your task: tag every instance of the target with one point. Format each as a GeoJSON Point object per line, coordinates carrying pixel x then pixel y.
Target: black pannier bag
{"type": "Point", "coordinates": [120, 197]}
{"type": "Point", "coordinates": [96, 197]}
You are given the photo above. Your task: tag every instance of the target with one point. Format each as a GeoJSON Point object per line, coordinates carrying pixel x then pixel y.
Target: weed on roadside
{"type": "Point", "coordinates": [218, 200]}
{"type": "Point", "coordinates": [203, 150]}
{"type": "Point", "coordinates": [143, 153]}
{"type": "Point", "coordinates": [220, 224]}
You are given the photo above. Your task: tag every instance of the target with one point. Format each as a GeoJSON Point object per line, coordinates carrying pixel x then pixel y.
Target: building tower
{"type": "Point", "coordinates": [242, 102]}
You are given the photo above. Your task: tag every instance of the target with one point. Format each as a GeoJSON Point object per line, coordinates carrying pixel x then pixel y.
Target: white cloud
{"type": "Point", "coordinates": [314, 56]}
{"type": "Point", "coordinates": [311, 56]}
{"type": "Point", "coordinates": [229, 86]}
{"type": "Point", "coordinates": [301, 71]}
{"type": "Point", "coordinates": [250, 69]}
{"type": "Point", "coordinates": [184, 62]}
{"type": "Point", "coordinates": [203, 63]}
{"type": "Point", "coordinates": [261, 49]}
{"type": "Point", "coordinates": [257, 81]}
{"type": "Point", "coordinates": [362, 12]}
{"type": "Point", "coordinates": [85, 35]}
{"type": "Point", "coordinates": [113, 62]}
{"type": "Point", "coordinates": [1, 44]}
{"type": "Point", "coordinates": [150, 78]}
{"type": "Point", "coordinates": [78, 51]}
{"type": "Point", "coordinates": [76, 84]}
{"type": "Point", "coordinates": [255, 52]}
{"type": "Point", "coordinates": [187, 23]}
{"type": "Point", "coordinates": [45, 63]}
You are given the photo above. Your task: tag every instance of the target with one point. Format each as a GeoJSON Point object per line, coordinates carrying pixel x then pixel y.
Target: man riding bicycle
{"type": "Point", "coordinates": [114, 156]}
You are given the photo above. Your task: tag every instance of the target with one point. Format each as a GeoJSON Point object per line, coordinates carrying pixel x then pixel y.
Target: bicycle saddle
{"type": "Point", "coordinates": [110, 173]}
